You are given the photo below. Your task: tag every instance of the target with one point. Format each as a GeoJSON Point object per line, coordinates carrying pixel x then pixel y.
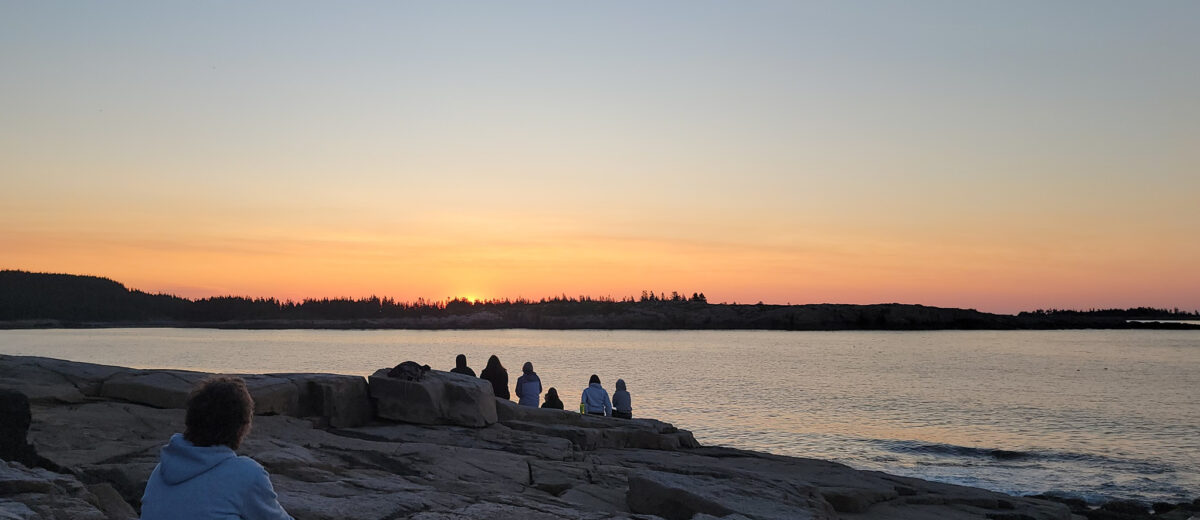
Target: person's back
{"type": "Point", "coordinates": [460, 366]}
{"type": "Point", "coordinates": [208, 482]}
{"type": "Point", "coordinates": [199, 476]}
{"type": "Point", "coordinates": [496, 374]}
{"type": "Point", "coordinates": [621, 402]}
{"type": "Point", "coordinates": [529, 386]}
{"type": "Point", "coordinates": [595, 398]}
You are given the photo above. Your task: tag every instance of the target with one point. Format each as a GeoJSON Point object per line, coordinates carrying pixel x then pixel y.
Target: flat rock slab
{"type": "Point", "coordinates": [589, 432]}
{"type": "Point", "coordinates": [680, 497]}
{"type": "Point", "coordinates": [437, 398]}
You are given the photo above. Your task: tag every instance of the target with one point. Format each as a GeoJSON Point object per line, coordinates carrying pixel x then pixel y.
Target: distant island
{"type": "Point", "coordinates": [44, 300]}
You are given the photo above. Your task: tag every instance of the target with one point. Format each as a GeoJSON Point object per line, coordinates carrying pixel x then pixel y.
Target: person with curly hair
{"type": "Point", "coordinates": [198, 474]}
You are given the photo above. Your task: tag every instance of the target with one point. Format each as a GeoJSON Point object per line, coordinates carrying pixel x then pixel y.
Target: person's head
{"type": "Point", "coordinates": [219, 411]}
{"type": "Point", "coordinates": [528, 368]}
{"type": "Point", "coordinates": [552, 394]}
{"type": "Point", "coordinates": [460, 361]}
{"type": "Point", "coordinates": [621, 384]}
{"type": "Point", "coordinates": [494, 363]}
{"type": "Point", "coordinates": [594, 380]}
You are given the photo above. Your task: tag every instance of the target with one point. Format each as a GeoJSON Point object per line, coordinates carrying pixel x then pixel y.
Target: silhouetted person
{"type": "Point", "coordinates": [198, 475]}
{"type": "Point", "coordinates": [497, 375]}
{"type": "Point", "coordinates": [460, 366]}
{"type": "Point", "coordinates": [529, 386]}
{"type": "Point", "coordinates": [595, 399]}
{"type": "Point", "coordinates": [552, 400]}
{"type": "Point", "coordinates": [622, 406]}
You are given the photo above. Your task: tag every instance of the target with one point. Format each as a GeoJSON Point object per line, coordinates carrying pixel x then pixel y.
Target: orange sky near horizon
{"type": "Point", "coordinates": [998, 157]}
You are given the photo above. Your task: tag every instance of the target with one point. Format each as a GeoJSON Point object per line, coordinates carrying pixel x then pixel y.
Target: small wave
{"type": "Point", "coordinates": [1143, 467]}
{"type": "Point", "coordinates": [934, 448]}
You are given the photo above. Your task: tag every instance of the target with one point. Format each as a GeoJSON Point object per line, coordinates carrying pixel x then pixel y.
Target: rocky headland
{"type": "Point", "coordinates": [79, 441]}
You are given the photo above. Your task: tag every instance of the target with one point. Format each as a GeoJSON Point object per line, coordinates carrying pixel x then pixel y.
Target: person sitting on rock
{"type": "Point", "coordinates": [622, 406]}
{"type": "Point", "coordinates": [552, 400]}
{"type": "Point", "coordinates": [595, 398]}
{"type": "Point", "coordinates": [460, 366]}
{"type": "Point", "coordinates": [529, 386]}
{"type": "Point", "coordinates": [198, 474]}
{"type": "Point", "coordinates": [495, 373]}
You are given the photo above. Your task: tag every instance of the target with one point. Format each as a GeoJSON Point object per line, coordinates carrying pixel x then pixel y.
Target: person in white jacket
{"type": "Point", "coordinates": [198, 474]}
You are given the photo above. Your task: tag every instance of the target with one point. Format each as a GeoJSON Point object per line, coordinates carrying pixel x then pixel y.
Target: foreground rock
{"type": "Point", "coordinates": [523, 463]}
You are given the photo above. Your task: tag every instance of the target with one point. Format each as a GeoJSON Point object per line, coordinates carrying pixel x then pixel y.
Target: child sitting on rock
{"type": "Point", "coordinates": [622, 406]}
{"type": "Point", "coordinates": [552, 400]}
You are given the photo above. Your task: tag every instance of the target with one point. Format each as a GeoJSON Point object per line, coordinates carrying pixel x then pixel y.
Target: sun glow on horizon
{"type": "Point", "coordinates": [967, 156]}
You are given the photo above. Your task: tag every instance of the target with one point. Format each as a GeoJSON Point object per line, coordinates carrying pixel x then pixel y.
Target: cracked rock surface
{"type": "Point", "coordinates": [329, 460]}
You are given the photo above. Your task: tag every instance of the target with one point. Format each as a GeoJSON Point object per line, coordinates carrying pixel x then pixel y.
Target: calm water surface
{"type": "Point", "coordinates": [1095, 414]}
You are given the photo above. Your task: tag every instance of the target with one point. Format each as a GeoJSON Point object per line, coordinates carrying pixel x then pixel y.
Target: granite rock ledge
{"type": "Point", "coordinates": [332, 456]}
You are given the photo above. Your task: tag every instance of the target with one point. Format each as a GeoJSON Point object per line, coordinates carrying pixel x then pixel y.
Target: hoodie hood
{"type": "Point", "coordinates": [621, 385]}
{"type": "Point", "coordinates": [180, 460]}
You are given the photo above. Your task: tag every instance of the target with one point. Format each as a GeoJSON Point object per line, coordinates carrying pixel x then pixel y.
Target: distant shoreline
{"type": "Point", "coordinates": [409, 325]}
{"type": "Point", "coordinates": [43, 301]}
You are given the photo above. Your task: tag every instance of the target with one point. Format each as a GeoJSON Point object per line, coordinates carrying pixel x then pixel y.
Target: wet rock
{"type": "Point", "coordinates": [1125, 507]}
{"type": "Point", "coordinates": [437, 398]}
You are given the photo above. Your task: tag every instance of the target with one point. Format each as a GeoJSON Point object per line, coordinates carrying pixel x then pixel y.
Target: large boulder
{"type": "Point", "coordinates": [157, 388]}
{"type": "Point", "coordinates": [170, 388]}
{"type": "Point", "coordinates": [342, 401]}
{"type": "Point", "coordinates": [273, 395]}
{"type": "Point", "coordinates": [436, 398]}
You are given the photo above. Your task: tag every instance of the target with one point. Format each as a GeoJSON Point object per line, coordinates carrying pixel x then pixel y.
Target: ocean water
{"type": "Point", "coordinates": [1091, 414]}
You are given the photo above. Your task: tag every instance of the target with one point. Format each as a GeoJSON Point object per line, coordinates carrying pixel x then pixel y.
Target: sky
{"type": "Point", "coordinates": [1002, 156]}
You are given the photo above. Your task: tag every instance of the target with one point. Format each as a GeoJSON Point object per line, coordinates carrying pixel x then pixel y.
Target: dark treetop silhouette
{"type": "Point", "coordinates": [31, 300]}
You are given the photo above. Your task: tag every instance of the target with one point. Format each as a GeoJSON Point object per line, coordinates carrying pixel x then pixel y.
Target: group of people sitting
{"type": "Point", "coordinates": [200, 476]}
{"type": "Point", "coordinates": [594, 400]}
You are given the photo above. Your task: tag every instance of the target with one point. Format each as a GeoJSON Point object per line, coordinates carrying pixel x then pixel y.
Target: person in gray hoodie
{"type": "Point", "coordinates": [198, 474]}
{"type": "Point", "coordinates": [529, 386]}
{"type": "Point", "coordinates": [622, 406]}
{"type": "Point", "coordinates": [594, 400]}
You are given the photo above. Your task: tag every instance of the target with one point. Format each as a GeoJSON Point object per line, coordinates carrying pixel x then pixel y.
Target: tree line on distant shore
{"type": "Point", "coordinates": [72, 300]}
{"type": "Point", "coordinates": [1133, 313]}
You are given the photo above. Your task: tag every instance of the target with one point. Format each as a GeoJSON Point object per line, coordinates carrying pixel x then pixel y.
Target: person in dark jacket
{"type": "Point", "coordinates": [622, 406]}
{"type": "Point", "coordinates": [529, 386]}
{"type": "Point", "coordinates": [460, 366]}
{"type": "Point", "coordinates": [495, 373]}
{"type": "Point", "coordinates": [552, 400]}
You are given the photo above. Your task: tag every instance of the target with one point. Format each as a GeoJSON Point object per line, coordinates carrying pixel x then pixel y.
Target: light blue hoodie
{"type": "Point", "coordinates": [596, 399]}
{"type": "Point", "coordinates": [208, 482]}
